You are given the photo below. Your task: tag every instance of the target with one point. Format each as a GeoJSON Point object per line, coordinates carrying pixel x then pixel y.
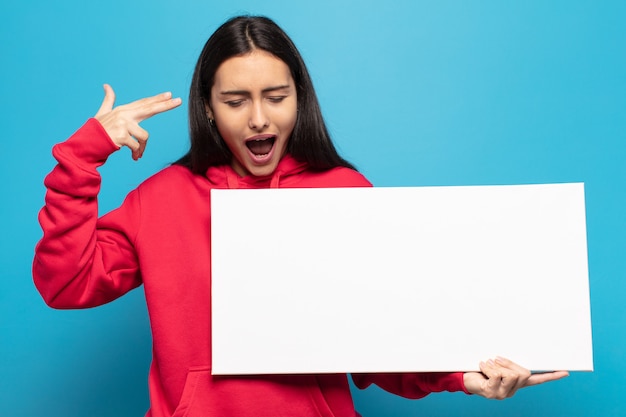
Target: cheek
{"type": "Point", "coordinates": [289, 119]}
{"type": "Point", "coordinates": [228, 137]}
{"type": "Point", "coordinates": [228, 127]}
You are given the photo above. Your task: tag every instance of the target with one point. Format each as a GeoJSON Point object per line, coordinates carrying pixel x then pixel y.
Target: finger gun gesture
{"type": "Point", "coordinates": [122, 122]}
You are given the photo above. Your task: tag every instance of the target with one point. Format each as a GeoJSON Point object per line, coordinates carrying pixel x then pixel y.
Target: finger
{"type": "Point", "coordinates": [138, 132]}
{"type": "Point", "coordinates": [507, 363]}
{"type": "Point", "coordinates": [540, 378]}
{"type": "Point", "coordinates": [492, 386]}
{"type": "Point", "coordinates": [147, 107]}
{"type": "Point", "coordinates": [138, 153]}
{"type": "Point", "coordinates": [130, 143]}
{"type": "Point", "coordinates": [140, 139]}
{"type": "Point", "coordinates": [529, 378]}
{"type": "Point", "coordinates": [503, 382]}
{"type": "Point", "coordinates": [521, 374]}
{"type": "Point", "coordinates": [511, 382]}
{"type": "Point", "coordinates": [490, 370]}
{"type": "Point", "coordinates": [108, 102]}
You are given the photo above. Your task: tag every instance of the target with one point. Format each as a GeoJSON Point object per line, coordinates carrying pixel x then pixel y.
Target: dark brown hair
{"type": "Point", "coordinates": [310, 141]}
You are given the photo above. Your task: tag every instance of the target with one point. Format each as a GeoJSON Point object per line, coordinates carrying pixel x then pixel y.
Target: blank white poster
{"type": "Point", "coordinates": [399, 279]}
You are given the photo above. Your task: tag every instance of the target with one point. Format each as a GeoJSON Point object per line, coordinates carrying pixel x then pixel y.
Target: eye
{"type": "Point", "coordinates": [276, 99]}
{"type": "Point", "coordinates": [234, 103]}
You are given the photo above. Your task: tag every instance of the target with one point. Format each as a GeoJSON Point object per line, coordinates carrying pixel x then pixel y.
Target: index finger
{"type": "Point", "coordinates": [540, 378]}
{"type": "Point", "coordinates": [532, 379]}
{"type": "Point", "coordinates": [147, 107]}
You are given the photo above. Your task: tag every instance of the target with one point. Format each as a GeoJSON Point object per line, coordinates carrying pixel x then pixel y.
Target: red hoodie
{"type": "Point", "coordinates": [160, 237]}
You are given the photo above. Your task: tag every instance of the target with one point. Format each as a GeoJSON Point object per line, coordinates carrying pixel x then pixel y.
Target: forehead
{"type": "Point", "coordinates": [257, 69]}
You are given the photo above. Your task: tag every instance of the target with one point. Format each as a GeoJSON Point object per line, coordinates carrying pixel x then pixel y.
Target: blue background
{"type": "Point", "coordinates": [414, 92]}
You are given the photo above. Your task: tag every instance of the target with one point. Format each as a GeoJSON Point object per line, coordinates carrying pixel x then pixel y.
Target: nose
{"type": "Point", "coordinates": [258, 117]}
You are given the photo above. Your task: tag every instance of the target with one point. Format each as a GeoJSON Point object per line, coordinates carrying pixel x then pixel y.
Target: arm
{"type": "Point", "coordinates": [498, 379]}
{"type": "Point", "coordinates": [77, 265]}
{"type": "Point", "coordinates": [82, 261]}
{"type": "Point", "coordinates": [412, 385]}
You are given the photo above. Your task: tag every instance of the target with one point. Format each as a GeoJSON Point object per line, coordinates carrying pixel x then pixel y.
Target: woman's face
{"type": "Point", "coordinates": [254, 104]}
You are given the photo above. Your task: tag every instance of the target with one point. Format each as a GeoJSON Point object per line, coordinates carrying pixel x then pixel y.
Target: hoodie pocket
{"type": "Point", "coordinates": [206, 395]}
{"type": "Point", "coordinates": [191, 384]}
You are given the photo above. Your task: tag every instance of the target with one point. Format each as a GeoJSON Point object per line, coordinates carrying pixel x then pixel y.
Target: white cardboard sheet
{"type": "Point", "coordinates": [399, 279]}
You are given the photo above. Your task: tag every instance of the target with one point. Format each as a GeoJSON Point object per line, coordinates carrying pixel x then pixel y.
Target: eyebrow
{"type": "Point", "coordinates": [244, 92]}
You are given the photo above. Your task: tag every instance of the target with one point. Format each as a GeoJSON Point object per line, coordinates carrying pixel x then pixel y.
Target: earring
{"type": "Point", "coordinates": [212, 122]}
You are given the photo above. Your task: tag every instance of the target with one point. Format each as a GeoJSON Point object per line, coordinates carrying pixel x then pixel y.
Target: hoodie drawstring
{"type": "Point", "coordinates": [275, 179]}
{"type": "Point", "coordinates": [231, 179]}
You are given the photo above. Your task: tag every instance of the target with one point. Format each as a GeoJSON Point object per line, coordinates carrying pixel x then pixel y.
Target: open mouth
{"type": "Point", "coordinates": [262, 146]}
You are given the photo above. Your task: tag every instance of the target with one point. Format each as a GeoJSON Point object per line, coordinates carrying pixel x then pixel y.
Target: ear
{"type": "Point", "coordinates": [208, 110]}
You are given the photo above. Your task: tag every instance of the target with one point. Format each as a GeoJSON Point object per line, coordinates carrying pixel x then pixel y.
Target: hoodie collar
{"type": "Point", "coordinates": [224, 176]}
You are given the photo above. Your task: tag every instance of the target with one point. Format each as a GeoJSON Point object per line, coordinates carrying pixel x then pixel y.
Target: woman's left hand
{"type": "Point", "coordinates": [501, 378]}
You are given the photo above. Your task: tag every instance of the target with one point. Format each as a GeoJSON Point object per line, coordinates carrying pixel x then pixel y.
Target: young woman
{"type": "Point", "coordinates": [254, 122]}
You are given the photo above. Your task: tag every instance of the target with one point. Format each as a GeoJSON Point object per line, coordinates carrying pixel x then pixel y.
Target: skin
{"type": "Point", "coordinates": [258, 111]}
{"type": "Point", "coordinates": [122, 122]}
{"type": "Point", "coordinates": [254, 96]}
{"type": "Point", "coordinates": [500, 378]}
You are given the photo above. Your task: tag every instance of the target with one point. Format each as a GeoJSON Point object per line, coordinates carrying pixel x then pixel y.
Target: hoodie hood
{"type": "Point", "coordinates": [224, 176]}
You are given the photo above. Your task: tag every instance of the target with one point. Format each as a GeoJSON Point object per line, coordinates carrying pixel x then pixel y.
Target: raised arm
{"type": "Point", "coordinates": [78, 262]}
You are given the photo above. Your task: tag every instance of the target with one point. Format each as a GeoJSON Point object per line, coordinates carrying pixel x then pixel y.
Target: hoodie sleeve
{"type": "Point", "coordinates": [412, 385]}
{"type": "Point", "coordinates": [82, 261]}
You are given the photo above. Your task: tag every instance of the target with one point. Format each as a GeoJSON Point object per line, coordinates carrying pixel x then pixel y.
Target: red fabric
{"type": "Point", "coordinates": [160, 237]}
{"type": "Point", "coordinates": [416, 385]}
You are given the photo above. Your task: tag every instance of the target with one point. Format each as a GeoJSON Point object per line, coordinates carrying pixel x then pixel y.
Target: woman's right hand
{"type": "Point", "coordinates": [122, 122]}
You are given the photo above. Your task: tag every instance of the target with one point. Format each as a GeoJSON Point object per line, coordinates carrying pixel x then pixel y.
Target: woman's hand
{"type": "Point", "coordinates": [122, 122]}
{"type": "Point", "coordinates": [501, 378]}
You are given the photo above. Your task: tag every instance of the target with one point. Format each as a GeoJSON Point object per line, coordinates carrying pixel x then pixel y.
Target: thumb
{"type": "Point", "coordinates": [107, 102]}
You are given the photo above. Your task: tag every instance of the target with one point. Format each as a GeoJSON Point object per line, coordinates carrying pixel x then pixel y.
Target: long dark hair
{"type": "Point", "coordinates": [310, 141]}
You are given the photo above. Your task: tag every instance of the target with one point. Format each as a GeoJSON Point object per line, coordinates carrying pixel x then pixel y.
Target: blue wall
{"type": "Point", "coordinates": [414, 92]}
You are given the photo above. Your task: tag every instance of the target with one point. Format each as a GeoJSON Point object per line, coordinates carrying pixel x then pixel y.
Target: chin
{"type": "Point", "coordinates": [263, 171]}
